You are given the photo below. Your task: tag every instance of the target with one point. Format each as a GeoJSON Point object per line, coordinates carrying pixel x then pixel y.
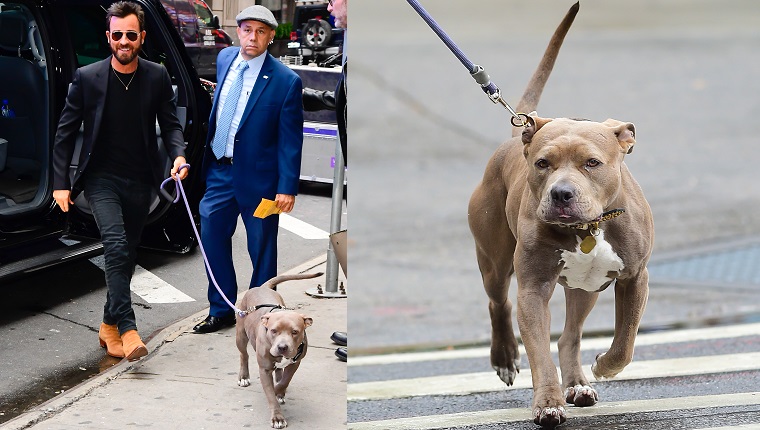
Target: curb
{"type": "Point", "coordinates": [158, 339]}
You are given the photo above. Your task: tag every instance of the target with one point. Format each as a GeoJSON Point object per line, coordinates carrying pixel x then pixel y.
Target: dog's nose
{"type": "Point", "coordinates": [282, 348]}
{"type": "Point", "coordinates": [562, 193]}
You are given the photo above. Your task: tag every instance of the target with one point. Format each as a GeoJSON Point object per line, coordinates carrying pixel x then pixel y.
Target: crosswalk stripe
{"type": "Point", "coordinates": [150, 287]}
{"type": "Point", "coordinates": [462, 384]}
{"type": "Point", "coordinates": [658, 338]}
{"type": "Point", "coordinates": [523, 414]}
{"type": "Point", "coordinates": [305, 230]}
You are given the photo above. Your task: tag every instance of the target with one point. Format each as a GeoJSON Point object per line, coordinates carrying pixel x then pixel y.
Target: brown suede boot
{"type": "Point", "coordinates": [134, 348]}
{"type": "Point", "coordinates": [110, 339]}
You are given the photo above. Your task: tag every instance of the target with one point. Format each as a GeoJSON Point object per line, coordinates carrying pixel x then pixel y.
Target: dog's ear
{"type": "Point", "coordinates": [534, 124]}
{"type": "Point", "coordinates": [307, 322]}
{"type": "Point", "coordinates": [625, 133]}
{"type": "Point", "coordinates": [264, 320]}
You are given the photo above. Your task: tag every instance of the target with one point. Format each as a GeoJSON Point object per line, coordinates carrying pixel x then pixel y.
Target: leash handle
{"type": "Point", "coordinates": [181, 192]}
{"type": "Point", "coordinates": [165, 193]}
{"type": "Point", "coordinates": [477, 72]}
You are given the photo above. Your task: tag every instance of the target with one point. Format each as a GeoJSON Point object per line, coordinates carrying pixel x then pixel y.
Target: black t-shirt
{"type": "Point", "coordinates": [121, 148]}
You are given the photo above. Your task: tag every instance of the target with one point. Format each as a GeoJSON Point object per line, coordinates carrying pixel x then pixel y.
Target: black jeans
{"type": "Point", "coordinates": [120, 207]}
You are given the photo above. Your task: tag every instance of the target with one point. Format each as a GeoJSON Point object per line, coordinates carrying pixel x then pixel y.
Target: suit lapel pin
{"type": "Point", "coordinates": [266, 77]}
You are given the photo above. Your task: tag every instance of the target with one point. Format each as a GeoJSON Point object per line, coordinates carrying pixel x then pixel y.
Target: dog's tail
{"type": "Point", "coordinates": [272, 283]}
{"type": "Point", "coordinates": [532, 93]}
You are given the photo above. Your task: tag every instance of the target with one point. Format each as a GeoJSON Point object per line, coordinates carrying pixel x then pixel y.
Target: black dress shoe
{"type": "Point", "coordinates": [212, 324]}
{"type": "Point", "coordinates": [340, 338]}
{"type": "Point", "coordinates": [342, 353]}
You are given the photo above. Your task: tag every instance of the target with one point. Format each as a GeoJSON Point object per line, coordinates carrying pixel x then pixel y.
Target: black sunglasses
{"type": "Point", "coordinates": [131, 35]}
{"type": "Point", "coordinates": [330, 2]}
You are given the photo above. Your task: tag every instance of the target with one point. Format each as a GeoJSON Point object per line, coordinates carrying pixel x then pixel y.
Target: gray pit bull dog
{"type": "Point", "coordinates": [278, 336]}
{"type": "Point", "coordinates": [547, 210]}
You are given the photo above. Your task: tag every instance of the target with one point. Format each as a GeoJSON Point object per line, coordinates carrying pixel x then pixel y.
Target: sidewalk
{"type": "Point", "coordinates": [189, 381]}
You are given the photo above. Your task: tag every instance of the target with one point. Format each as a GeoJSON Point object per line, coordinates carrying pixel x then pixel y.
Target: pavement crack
{"type": "Point", "coordinates": [93, 329]}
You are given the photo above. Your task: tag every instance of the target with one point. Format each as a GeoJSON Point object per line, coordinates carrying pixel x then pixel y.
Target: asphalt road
{"type": "Point", "coordinates": [684, 72]}
{"type": "Point", "coordinates": [49, 320]}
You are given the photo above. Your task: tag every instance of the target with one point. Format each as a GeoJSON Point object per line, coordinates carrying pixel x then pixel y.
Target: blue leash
{"type": "Point", "coordinates": [477, 72]}
{"type": "Point", "coordinates": [181, 193]}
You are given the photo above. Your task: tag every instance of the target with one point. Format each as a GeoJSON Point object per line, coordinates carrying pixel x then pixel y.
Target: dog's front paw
{"type": "Point", "coordinates": [508, 374]}
{"type": "Point", "coordinates": [244, 382]}
{"type": "Point", "coordinates": [549, 417]}
{"type": "Point", "coordinates": [581, 395]}
{"type": "Point", "coordinates": [278, 421]}
{"type": "Point", "coordinates": [599, 370]}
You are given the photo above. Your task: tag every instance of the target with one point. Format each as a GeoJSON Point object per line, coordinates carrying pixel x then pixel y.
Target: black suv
{"type": "Point", "coordinates": [42, 43]}
{"type": "Point", "coordinates": [316, 36]}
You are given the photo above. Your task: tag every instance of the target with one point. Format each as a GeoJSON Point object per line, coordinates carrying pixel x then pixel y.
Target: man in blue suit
{"type": "Point", "coordinates": [253, 151]}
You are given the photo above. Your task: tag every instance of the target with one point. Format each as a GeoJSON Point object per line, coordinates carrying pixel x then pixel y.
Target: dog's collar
{"type": "Point", "coordinates": [594, 224]}
{"type": "Point", "coordinates": [288, 361]}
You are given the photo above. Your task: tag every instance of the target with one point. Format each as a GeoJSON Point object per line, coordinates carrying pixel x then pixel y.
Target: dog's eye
{"type": "Point", "coordinates": [542, 164]}
{"type": "Point", "coordinates": [593, 162]}
{"type": "Point", "coordinates": [295, 332]}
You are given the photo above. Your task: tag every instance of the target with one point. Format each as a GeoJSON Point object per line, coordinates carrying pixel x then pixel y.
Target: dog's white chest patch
{"type": "Point", "coordinates": [590, 271]}
{"type": "Point", "coordinates": [283, 363]}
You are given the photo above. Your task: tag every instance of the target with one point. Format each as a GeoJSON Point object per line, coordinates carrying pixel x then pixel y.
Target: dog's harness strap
{"type": "Point", "coordinates": [477, 72]}
{"type": "Point", "coordinates": [257, 307]}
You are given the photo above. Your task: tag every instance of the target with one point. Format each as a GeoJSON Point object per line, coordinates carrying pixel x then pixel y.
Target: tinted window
{"type": "Point", "coordinates": [204, 14]}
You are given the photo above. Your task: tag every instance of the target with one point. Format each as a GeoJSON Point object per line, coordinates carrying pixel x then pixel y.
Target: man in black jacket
{"type": "Point", "coordinates": [119, 100]}
{"type": "Point", "coordinates": [329, 100]}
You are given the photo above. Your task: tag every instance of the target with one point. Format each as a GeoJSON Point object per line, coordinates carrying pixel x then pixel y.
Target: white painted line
{"type": "Point", "coordinates": [306, 231]}
{"type": "Point", "coordinates": [469, 383]}
{"type": "Point", "coordinates": [523, 414]}
{"type": "Point", "coordinates": [658, 338]}
{"type": "Point", "coordinates": [150, 287]}
{"type": "Point", "coordinates": [153, 289]}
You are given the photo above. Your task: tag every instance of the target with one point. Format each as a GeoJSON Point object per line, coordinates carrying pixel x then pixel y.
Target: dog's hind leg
{"type": "Point", "coordinates": [282, 381]}
{"type": "Point", "coordinates": [578, 391]}
{"type": "Point", "coordinates": [495, 247]}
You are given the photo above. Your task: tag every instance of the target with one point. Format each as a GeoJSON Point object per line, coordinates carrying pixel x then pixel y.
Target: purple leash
{"type": "Point", "coordinates": [195, 229]}
{"type": "Point", "coordinates": [477, 72]}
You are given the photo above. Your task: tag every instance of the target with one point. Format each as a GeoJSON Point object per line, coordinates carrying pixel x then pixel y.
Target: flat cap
{"type": "Point", "coordinates": [257, 13]}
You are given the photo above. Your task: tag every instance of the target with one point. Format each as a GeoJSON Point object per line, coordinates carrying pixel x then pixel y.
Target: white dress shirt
{"type": "Point", "coordinates": [249, 78]}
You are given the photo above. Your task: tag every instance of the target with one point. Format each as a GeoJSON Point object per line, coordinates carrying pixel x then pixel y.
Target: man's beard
{"type": "Point", "coordinates": [125, 58]}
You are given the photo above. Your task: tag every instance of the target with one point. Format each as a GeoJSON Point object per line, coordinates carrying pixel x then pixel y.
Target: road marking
{"type": "Point", "coordinates": [305, 230]}
{"type": "Point", "coordinates": [469, 383]}
{"type": "Point", "coordinates": [658, 338]}
{"type": "Point", "coordinates": [150, 287]}
{"type": "Point", "coordinates": [497, 416]}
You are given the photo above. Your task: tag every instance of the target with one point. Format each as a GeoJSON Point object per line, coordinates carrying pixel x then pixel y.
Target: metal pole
{"type": "Point", "coordinates": [339, 174]}
{"type": "Point", "coordinates": [331, 272]}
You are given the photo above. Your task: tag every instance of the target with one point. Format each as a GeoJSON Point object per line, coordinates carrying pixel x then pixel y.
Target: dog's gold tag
{"type": "Point", "coordinates": [588, 244]}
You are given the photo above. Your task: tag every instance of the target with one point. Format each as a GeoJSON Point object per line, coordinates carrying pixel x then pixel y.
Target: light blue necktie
{"type": "Point", "coordinates": [219, 145]}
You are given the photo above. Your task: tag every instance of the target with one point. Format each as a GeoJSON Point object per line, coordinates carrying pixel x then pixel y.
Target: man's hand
{"type": "Point", "coordinates": [63, 199]}
{"type": "Point", "coordinates": [285, 202]}
{"type": "Point", "coordinates": [177, 163]}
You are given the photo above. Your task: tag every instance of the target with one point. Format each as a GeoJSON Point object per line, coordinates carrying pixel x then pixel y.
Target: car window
{"type": "Point", "coordinates": [204, 14]}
